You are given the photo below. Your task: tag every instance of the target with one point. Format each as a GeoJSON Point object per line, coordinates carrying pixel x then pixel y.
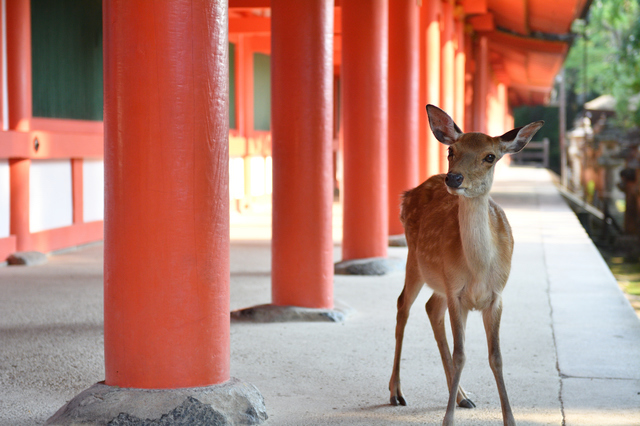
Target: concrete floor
{"type": "Point", "coordinates": [570, 340]}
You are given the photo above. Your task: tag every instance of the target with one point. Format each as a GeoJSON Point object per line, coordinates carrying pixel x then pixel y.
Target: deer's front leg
{"type": "Point", "coordinates": [412, 285]}
{"type": "Point", "coordinates": [491, 319]}
{"type": "Point", "coordinates": [458, 317]}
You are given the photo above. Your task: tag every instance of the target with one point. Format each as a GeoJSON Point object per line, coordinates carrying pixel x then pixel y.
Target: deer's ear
{"type": "Point", "coordinates": [442, 126]}
{"type": "Point", "coordinates": [515, 140]}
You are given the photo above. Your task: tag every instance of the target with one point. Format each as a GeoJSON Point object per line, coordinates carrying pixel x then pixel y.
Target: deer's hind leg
{"type": "Point", "coordinates": [412, 285]}
{"type": "Point", "coordinates": [436, 308]}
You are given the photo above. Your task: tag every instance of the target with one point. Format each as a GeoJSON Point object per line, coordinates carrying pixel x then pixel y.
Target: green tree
{"type": "Point", "coordinates": [611, 62]}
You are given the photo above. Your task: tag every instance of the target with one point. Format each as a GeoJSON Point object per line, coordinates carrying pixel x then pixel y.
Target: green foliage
{"type": "Point", "coordinates": [609, 45]}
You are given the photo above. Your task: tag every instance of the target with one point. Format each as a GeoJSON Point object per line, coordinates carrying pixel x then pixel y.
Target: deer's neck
{"type": "Point", "coordinates": [475, 231]}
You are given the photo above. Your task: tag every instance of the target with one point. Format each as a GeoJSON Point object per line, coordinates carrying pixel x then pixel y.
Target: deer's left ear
{"type": "Point", "coordinates": [515, 140]}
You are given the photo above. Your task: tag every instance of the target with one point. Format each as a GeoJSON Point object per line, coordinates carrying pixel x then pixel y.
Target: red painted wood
{"type": "Point", "coordinates": [432, 12]}
{"type": "Point", "coordinates": [166, 191]}
{"type": "Point", "coordinates": [365, 96]}
{"type": "Point", "coordinates": [3, 110]}
{"type": "Point", "coordinates": [302, 130]}
{"type": "Point", "coordinates": [63, 125]}
{"type": "Point", "coordinates": [77, 186]}
{"type": "Point", "coordinates": [404, 109]}
{"type": "Point", "coordinates": [422, 96]}
{"type": "Point", "coordinates": [447, 73]}
{"type": "Point", "coordinates": [470, 68]}
{"type": "Point", "coordinates": [459, 84]}
{"type": "Point", "coordinates": [481, 85]}
{"type": "Point", "coordinates": [51, 145]}
{"type": "Point", "coordinates": [7, 247]}
{"type": "Point", "coordinates": [19, 202]}
{"type": "Point", "coordinates": [19, 88]}
{"type": "Point", "coordinates": [67, 236]}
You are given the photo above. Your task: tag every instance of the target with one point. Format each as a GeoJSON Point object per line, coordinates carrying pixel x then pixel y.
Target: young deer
{"type": "Point", "coordinates": [460, 244]}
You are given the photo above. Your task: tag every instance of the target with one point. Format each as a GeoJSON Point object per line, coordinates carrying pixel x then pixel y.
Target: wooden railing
{"type": "Point", "coordinates": [535, 153]}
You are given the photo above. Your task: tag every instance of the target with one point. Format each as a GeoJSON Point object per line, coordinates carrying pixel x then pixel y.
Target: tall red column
{"type": "Point", "coordinates": [432, 11]}
{"type": "Point", "coordinates": [460, 65]}
{"type": "Point", "coordinates": [166, 271]}
{"type": "Point", "coordinates": [470, 72]}
{"type": "Point", "coordinates": [481, 85]}
{"type": "Point", "coordinates": [18, 21]}
{"type": "Point", "coordinates": [302, 123]}
{"type": "Point", "coordinates": [77, 188]}
{"type": "Point", "coordinates": [19, 202]}
{"type": "Point", "coordinates": [404, 109]}
{"type": "Point", "coordinates": [447, 76]}
{"type": "Point", "coordinates": [365, 99]}
{"type": "Point", "coordinates": [19, 90]}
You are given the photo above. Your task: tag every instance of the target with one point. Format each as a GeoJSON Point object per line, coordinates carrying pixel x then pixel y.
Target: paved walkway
{"type": "Point", "coordinates": [570, 340]}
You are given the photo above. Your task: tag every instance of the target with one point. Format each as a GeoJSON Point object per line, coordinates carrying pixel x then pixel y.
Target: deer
{"type": "Point", "coordinates": [460, 244]}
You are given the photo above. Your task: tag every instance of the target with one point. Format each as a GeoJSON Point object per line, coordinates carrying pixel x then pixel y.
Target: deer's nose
{"type": "Point", "coordinates": [453, 180]}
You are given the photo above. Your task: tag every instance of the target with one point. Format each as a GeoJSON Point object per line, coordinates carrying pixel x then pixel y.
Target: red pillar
{"type": "Point", "coordinates": [432, 11]}
{"type": "Point", "coordinates": [302, 125]}
{"type": "Point", "coordinates": [365, 99]}
{"type": "Point", "coordinates": [470, 72]}
{"type": "Point", "coordinates": [422, 97]}
{"type": "Point", "coordinates": [166, 189]}
{"type": "Point", "coordinates": [19, 88]}
{"type": "Point", "coordinates": [447, 76]}
{"type": "Point", "coordinates": [77, 187]}
{"type": "Point", "coordinates": [19, 202]}
{"type": "Point", "coordinates": [460, 65]}
{"type": "Point", "coordinates": [18, 21]}
{"type": "Point", "coordinates": [481, 85]}
{"type": "Point", "coordinates": [404, 109]}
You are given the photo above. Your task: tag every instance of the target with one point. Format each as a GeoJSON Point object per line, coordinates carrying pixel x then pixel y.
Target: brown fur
{"type": "Point", "coordinates": [431, 220]}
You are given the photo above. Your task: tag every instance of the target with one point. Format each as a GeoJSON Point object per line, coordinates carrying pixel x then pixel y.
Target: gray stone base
{"type": "Point", "coordinates": [397, 240]}
{"type": "Point", "coordinates": [369, 266]}
{"type": "Point", "coordinates": [273, 313]}
{"type": "Point", "coordinates": [231, 403]}
{"type": "Point", "coordinates": [27, 258]}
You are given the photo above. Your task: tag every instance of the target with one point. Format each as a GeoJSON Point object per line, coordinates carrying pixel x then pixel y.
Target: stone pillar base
{"type": "Point", "coordinates": [231, 403]}
{"type": "Point", "coordinates": [397, 240]}
{"type": "Point", "coordinates": [275, 313]}
{"type": "Point", "coordinates": [27, 258]}
{"type": "Point", "coordinates": [369, 266]}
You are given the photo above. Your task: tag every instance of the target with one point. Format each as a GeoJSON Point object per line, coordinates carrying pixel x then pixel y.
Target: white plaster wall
{"type": "Point", "coordinates": [257, 181]}
{"type": "Point", "coordinates": [4, 199]}
{"type": "Point", "coordinates": [268, 175]}
{"type": "Point", "coordinates": [50, 194]}
{"type": "Point", "coordinates": [93, 189]}
{"type": "Point", "coordinates": [236, 178]}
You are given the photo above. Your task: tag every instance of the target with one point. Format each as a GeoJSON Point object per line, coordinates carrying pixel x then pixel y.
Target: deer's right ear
{"type": "Point", "coordinates": [442, 126]}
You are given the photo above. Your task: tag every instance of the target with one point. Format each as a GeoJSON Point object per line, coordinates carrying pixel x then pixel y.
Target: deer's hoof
{"type": "Point", "coordinates": [466, 403]}
{"type": "Point", "coordinates": [398, 400]}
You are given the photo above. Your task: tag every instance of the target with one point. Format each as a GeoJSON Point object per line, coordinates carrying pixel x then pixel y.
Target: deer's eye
{"type": "Point", "coordinates": [490, 158]}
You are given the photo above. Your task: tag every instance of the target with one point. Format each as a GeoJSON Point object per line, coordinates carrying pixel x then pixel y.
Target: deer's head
{"type": "Point", "coordinates": [473, 156]}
